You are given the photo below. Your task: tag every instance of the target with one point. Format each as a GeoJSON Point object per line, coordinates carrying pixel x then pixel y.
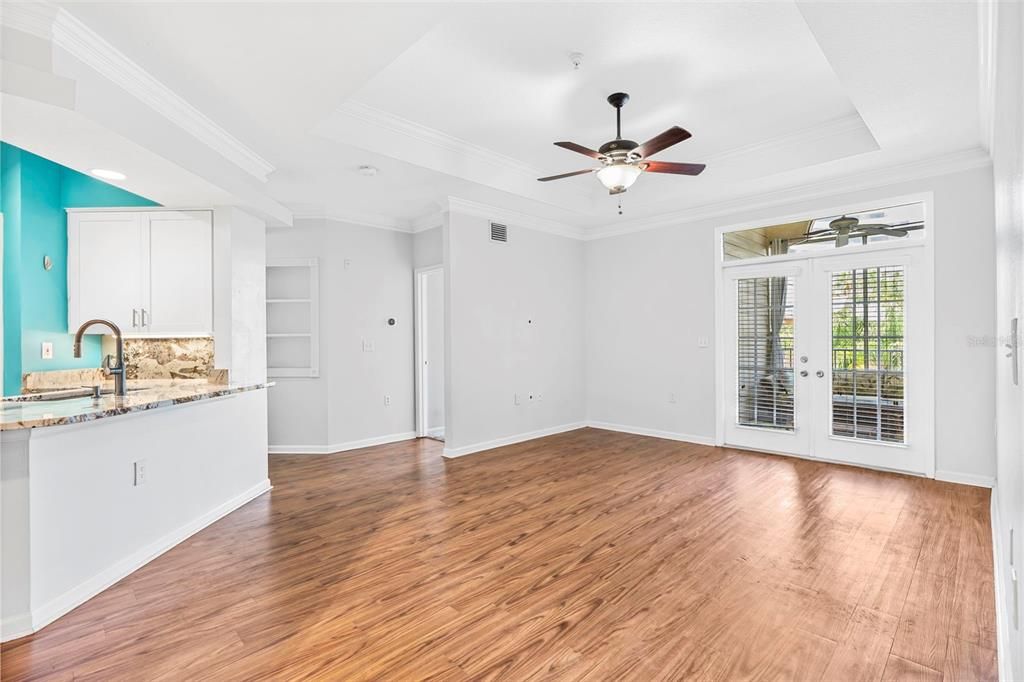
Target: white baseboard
{"type": "Point", "coordinates": [966, 479]}
{"type": "Point", "coordinates": [14, 627]}
{"type": "Point", "coordinates": [436, 433]}
{"type": "Point", "coordinates": [1003, 624]}
{"type": "Point", "coordinates": [510, 440]}
{"type": "Point", "coordinates": [653, 433]}
{"type": "Point", "coordinates": [25, 624]}
{"type": "Point", "coordinates": [340, 447]}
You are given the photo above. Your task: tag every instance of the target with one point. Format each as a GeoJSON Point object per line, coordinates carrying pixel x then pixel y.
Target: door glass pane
{"type": "Point", "coordinates": [867, 354]}
{"type": "Point", "coordinates": [765, 352]}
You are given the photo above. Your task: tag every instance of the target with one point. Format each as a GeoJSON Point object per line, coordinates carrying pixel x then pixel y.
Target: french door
{"type": "Point", "coordinates": [831, 358]}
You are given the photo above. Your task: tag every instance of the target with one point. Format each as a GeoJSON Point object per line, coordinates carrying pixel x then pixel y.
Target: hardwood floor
{"type": "Point", "coordinates": [588, 555]}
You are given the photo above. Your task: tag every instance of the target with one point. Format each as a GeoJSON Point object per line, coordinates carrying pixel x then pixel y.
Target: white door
{"type": "Point", "coordinates": [106, 270]}
{"type": "Point", "coordinates": [872, 361]}
{"type": "Point", "coordinates": [831, 358]}
{"type": "Point", "coordinates": [765, 330]}
{"type": "Point", "coordinates": [178, 293]}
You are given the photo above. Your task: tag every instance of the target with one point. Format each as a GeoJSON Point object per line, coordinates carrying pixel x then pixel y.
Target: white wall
{"type": "Point", "coordinates": [365, 278]}
{"type": "Point", "coordinates": [428, 248]}
{"type": "Point", "coordinates": [650, 296]}
{"type": "Point", "coordinates": [515, 326]}
{"type": "Point", "coordinates": [1008, 168]}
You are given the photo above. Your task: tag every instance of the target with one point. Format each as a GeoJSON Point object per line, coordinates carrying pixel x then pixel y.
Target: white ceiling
{"type": "Point", "coordinates": [465, 99]}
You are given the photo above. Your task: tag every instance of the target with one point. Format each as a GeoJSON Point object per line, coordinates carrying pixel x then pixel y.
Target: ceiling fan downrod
{"type": "Point", "coordinates": [618, 100]}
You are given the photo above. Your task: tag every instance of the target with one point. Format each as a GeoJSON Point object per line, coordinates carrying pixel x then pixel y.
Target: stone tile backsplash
{"type": "Point", "coordinates": [168, 358]}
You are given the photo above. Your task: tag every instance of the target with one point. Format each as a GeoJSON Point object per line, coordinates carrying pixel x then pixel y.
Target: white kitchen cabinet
{"type": "Point", "coordinates": [151, 271]}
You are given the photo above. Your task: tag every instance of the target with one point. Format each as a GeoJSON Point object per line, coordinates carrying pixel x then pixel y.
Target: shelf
{"type": "Point", "coordinates": [293, 331]}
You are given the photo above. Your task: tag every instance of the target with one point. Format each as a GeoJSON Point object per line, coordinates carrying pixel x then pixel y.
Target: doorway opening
{"type": "Point", "coordinates": [430, 352]}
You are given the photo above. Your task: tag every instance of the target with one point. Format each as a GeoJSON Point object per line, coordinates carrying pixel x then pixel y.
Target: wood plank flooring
{"type": "Point", "coordinates": [588, 555]}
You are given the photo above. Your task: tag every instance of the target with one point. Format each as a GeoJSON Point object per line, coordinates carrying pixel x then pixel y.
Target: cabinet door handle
{"type": "Point", "coordinates": [144, 322]}
{"type": "Point", "coordinates": [135, 317]}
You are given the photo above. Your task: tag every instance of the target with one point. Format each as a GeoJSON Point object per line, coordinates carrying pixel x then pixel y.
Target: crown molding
{"type": "Point", "coordinates": [428, 221]}
{"type": "Point", "coordinates": [806, 136]}
{"type": "Point", "coordinates": [503, 215]}
{"type": "Point", "coordinates": [924, 168]}
{"type": "Point", "coordinates": [34, 18]}
{"type": "Point", "coordinates": [374, 220]}
{"type": "Point", "coordinates": [64, 30]}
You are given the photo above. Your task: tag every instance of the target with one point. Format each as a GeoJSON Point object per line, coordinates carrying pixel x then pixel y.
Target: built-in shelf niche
{"type": "Point", "coordinates": [293, 325]}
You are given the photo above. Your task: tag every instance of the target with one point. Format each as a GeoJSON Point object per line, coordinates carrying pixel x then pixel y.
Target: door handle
{"type": "Point", "coordinates": [144, 323]}
{"type": "Point", "coordinates": [135, 317]}
{"type": "Point", "coordinates": [819, 373]}
{"type": "Point", "coordinates": [803, 372]}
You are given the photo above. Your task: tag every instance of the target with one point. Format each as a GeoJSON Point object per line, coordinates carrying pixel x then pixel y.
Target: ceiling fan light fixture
{"type": "Point", "coordinates": [618, 176]}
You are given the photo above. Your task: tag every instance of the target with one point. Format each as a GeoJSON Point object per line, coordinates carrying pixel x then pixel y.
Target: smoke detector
{"type": "Point", "coordinates": [368, 171]}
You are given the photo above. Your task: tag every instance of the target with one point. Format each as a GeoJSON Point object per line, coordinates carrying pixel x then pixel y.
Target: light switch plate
{"type": "Point", "coordinates": [47, 351]}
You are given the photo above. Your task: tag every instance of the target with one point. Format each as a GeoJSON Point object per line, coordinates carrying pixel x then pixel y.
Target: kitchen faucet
{"type": "Point", "coordinates": [117, 369]}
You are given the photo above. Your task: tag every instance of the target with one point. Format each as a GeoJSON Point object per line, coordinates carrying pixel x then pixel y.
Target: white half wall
{"type": "Point", "coordinates": [73, 521]}
{"type": "Point", "coordinates": [515, 328]}
{"type": "Point", "coordinates": [365, 390]}
{"type": "Point", "coordinates": [650, 297]}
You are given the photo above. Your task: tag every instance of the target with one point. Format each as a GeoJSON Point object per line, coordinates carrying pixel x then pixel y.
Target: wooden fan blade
{"type": "Point", "coordinates": [673, 135]}
{"type": "Point", "coordinates": [676, 168]}
{"type": "Point", "coordinates": [573, 147]}
{"type": "Point", "coordinates": [567, 175]}
{"type": "Point", "coordinates": [882, 229]}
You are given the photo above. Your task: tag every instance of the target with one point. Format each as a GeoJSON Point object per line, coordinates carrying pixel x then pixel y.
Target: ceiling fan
{"type": "Point", "coordinates": [622, 161]}
{"type": "Point", "coordinates": [842, 228]}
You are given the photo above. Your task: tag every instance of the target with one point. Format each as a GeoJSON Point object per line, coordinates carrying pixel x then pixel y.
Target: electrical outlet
{"type": "Point", "coordinates": [47, 350]}
{"type": "Point", "coordinates": [368, 346]}
{"type": "Point", "coordinates": [140, 472]}
{"type": "Point", "coordinates": [515, 398]}
{"type": "Point", "coordinates": [387, 400]}
{"type": "Point", "coordinates": [703, 342]}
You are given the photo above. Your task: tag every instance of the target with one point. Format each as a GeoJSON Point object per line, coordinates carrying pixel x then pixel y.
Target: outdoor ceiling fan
{"type": "Point", "coordinates": [622, 161]}
{"type": "Point", "coordinates": [842, 228]}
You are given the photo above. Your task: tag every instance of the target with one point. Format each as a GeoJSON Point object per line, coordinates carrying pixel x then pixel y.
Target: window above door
{"type": "Point", "coordinates": [898, 224]}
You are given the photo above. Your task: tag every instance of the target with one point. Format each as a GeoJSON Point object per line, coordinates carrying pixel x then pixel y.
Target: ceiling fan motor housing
{"type": "Point", "coordinates": [618, 148]}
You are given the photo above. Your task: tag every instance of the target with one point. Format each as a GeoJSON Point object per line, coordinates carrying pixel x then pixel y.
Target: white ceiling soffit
{"type": "Point", "coordinates": [68, 33]}
{"type": "Point", "coordinates": [149, 175]}
{"type": "Point", "coordinates": [375, 130]}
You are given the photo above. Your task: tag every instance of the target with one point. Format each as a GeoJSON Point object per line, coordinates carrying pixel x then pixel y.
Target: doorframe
{"type": "Point", "coordinates": [420, 344]}
{"type": "Point", "coordinates": [926, 199]}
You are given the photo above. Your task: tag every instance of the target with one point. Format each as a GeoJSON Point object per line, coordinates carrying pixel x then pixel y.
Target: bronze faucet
{"type": "Point", "coordinates": [117, 369]}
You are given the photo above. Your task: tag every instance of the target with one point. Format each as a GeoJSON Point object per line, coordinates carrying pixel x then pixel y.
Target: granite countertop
{"type": "Point", "coordinates": [32, 411]}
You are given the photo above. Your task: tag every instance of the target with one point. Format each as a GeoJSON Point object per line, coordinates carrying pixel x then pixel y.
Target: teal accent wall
{"type": "Point", "coordinates": [34, 195]}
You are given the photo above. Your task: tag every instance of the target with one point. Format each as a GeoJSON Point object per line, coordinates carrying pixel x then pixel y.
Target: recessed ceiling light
{"type": "Point", "coordinates": [368, 171]}
{"type": "Point", "coordinates": [108, 174]}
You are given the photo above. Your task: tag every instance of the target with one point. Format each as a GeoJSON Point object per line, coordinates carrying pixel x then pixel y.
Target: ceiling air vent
{"type": "Point", "coordinates": [499, 232]}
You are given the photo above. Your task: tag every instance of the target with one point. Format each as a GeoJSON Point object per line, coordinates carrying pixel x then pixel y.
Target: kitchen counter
{"type": "Point", "coordinates": [35, 411]}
